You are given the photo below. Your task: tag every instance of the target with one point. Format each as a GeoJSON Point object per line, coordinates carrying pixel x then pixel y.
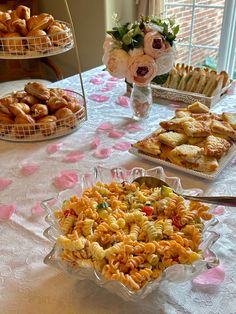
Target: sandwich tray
{"type": "Point", "coordinates": [188, 97]}
{"type": "Point", "coordinates": [205, 175]}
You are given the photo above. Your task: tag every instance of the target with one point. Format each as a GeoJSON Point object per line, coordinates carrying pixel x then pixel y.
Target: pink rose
{"type": "Point", "coordinates": [155, 45]}
{"type": "Point", "coordinates": [141, 70]}
{"type": "Point", "coordinates": [117, 63]}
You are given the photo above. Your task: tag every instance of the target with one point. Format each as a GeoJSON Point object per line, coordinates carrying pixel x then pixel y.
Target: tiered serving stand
{"type": "Point", "coordinates": [38, 47]}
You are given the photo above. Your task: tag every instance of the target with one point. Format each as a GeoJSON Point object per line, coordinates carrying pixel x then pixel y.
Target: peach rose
{"type": "Point", "coordinates": [155, 45]}
{"type": "Point", "coordinates": [136, 52]}
{"type": "Point", "coordinates": [165, 62]}
{"type": "Point", "coordinates": [107, 47]}
{"type": "Point", "coordinates": [141, 70]}
{"type": "Point", "coordinates": [117, 63]}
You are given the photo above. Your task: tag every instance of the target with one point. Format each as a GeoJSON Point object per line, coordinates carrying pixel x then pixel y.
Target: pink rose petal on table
{"type": "Point", "coordinates": [116, 134]}
{"type": "Point", "coordinates": [133, 127]}
{"type": "Point", "coordinates": [96, 81]}
{"type": "Point", "coordinates": [6, 210]}
{"type": "Point", "coordinates": [111, 84]}
{"type": "Point", "coordinates": [102, 74]}
{"type": "Point", "coordinates": [113, 78]}
{"type": "Point", "coordinates": [106, 89]}
{"type": "Point", "coordinates": [99, 98]}
{"type": "Point", "coordinates": [123, 101]}
{"type": "Point", "coordinates": [95, 142]}
{"type": "Point", "coordinates": [214, 276]}
{"type": "Point", "coordinates": [66, 179]}
{"type": "Point", "coordinates": [4, 183]}
{"type": "Point", "coordinates": [29, 168]}
{"type": "Point", "coordinates": [37, 209]}
{"type": "Point", "coordinates": [103, 153]}
{"type": "Point", "coordinates": [230, 92]}
{"type": "Point", "coordinates": [105, 126]}
{"type": "Point", "coordinates": [52, 148]}
{"type": "Point", "coordinates": [74, 156]}
{"type": "Point", "coordinates": [219, 210]}
{"type": "Point", "coordinates": [122, 146]}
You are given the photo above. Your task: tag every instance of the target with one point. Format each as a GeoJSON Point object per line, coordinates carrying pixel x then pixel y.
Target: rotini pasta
{"type": "Point", "coordinates": [130, 233]}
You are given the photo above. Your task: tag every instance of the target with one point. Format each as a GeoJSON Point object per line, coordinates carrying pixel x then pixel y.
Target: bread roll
{"type": "Point", "coordinates": [13, 43]}
{"type": "Point", "coordinates": [23, 12]}
{"type": "Point", "coordinates": [38, 41]}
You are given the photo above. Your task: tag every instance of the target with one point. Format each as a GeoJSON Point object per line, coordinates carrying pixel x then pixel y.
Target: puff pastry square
{"type": "Point", "coordinates": [172, 139]}
{"type": "Point", "coordinates": [196, 128]}
{"type": "Point", "coordinates": [216, 146]}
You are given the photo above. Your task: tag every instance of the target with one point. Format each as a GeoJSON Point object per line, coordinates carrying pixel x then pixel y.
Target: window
{"type": "Point", "coordinates": [207, 32]}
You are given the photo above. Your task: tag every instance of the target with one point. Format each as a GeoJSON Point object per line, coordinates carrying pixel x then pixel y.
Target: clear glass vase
{"type": "Point", "coordinates": [141, 101]}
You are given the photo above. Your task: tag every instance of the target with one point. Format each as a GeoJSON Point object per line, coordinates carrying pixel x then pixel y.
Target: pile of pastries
{"type": "Point", "coordinates": [196, 80]}
{"type": "Point", "coordinates": [195, 138]}
{"type": "Point", "coordinates": [38, 109]}
{"type": "Point", "coordinates": [21, 32]}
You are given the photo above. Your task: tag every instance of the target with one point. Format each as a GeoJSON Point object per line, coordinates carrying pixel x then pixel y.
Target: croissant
{"type": "Point", "coordinates": [60, 36]}
{"type": "Point", "coordinates": [39, 111]}
{"type": "Point", "coordinates": [30, 100]}
{"type": "Point", "coordinates": [18, 109]}
{"type": "Point", "coordinates": [13, 43]}
{"type": "Point", "coordinates": [65, 117]}
{"type": "Point", "coordinates": [55, 103]}
{"type": "Point", "coordinates": [72, 103]}
{"type": "Point", "coordinates": [17, 25]}
{"type": "Point", "coordinates": [4, 16]}
{"type": "Point", "coordinates": [47, 125]}
{"type": "Point", "coordinates": [40, 22]}
{"type": "Point", "coordinates": [27, 127]}
{"type": "Point", "coordinates": [38, 90]}
{"type": "Point", "coordinates": [23, 12]}
{"type": "Point", "coordinates": [57, 92]}
{"type": "Point", "coordinates": [5, 124]}
{"type": "Point", "coordinates": [3, 27]}
{"type": "Point", "coordinates": [38, 40]}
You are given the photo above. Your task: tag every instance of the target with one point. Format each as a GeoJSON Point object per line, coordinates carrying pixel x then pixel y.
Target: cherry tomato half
{"type": "Point", "coordinates": [148, 210]}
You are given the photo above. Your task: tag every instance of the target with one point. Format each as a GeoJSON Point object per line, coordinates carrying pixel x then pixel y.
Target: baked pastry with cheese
{"type": "Point", "coordinates": [196, 128]}
{"type": "Point", "coordinates": [198, 107]}
{"type": "Point", "coordinates": [230, 118]}
{"type": "Point", "coordinates": [175, 124]}
{"type": "Point", "coordinates": [224, 128]}
{"type": "Point", "coordinates": [186, 152]}
{"type": "Point", "coordinates": [172, 139]}
{"type": "Point", "coordinates": [182, 112]}
{"type": "Point", "coordinates": [150, 145]}
{"type": "Point", "coordinates": [216, 146]}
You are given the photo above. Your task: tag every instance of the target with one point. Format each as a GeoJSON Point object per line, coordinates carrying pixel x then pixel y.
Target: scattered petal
{"type": "Point", "coordinates": [122, 146]}
{"type": "Point", "coordinates": [96, 81]}
{"type": "Point", "coordinates": [214, 276]}
{"type": "Point", "coordinates": [230, 92]}
{"type": "Point", "coordinates": [111, 84]}
{"type": "Point", "coordinates": [106, 89]}
{"type": "Point", "coordinates": [133, 127]}
{"type": "Point", "coordinates": [106, 126]}
{"type": "Point", "coordinates": [37, 209]}
{"type": "Point", "coordinates": [29, 168]}
{"type": "Point", "coordinates": [95, 142]}
{"type": "Point", "coordinates": [102, 74]}
{"type": "Point", "coordinates": [116, 134]}
{"type": "Point", "coordinates": [234, 161]}
{"type": "Point", "coordinates": [52, 201]}
{"type": "Point", "coordinates": [74, 156]}
{"type": "Point", "coordinates": [70, 92]}
{"type": "Point", "coordinates": [219, 210]}
{"type": "Point", "coordinates": [123, 101]}
{"type": "Point", "coordinates": [113, 78]}
{"type": "Point", "coordinates": [4, 183]}
{"type": "Point", "coordinates": [103, 153]}
{"type": "Point", "coordinates": [175, 105]}
{"type": "Point", "coordinates": [99, 98]}
{"type": "Point", "coordinates": [6, 210]}
{"type": "Point", "coordinates": [52, 148]}
{"type": "Point", "coordinates": [66, 179]}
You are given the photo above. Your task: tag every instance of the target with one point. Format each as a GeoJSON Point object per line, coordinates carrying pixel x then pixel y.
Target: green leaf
{"type": "Point", "coordinates": [138, 41]}
{"type": "Point", "coordinates": [160, 79]}
{"type": "Point", "coordinates": [127, 39]}
{"type": "Point", "coordinates": [175, 29]}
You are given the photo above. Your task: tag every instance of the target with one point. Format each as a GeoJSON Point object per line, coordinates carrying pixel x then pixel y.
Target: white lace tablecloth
{"type": "Point", "coordinates": [28, 286]}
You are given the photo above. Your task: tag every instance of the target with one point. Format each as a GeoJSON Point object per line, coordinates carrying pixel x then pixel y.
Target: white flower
{"type": "Point", "coordinates": [165, 62]}
{"type": "Point", "coordinates": [117, 63]}
{"type": "Point", "coordinates": [151, 27]}
{"type": "Point", "coordinates": [136, 52]}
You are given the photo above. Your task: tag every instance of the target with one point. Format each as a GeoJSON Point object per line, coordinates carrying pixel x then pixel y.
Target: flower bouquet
{"type": "Point", "coordinates": [141, 52]}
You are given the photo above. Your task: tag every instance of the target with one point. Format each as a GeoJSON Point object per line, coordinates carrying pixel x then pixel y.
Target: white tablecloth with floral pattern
{"type": "Point", "coordinates": [27, 285]}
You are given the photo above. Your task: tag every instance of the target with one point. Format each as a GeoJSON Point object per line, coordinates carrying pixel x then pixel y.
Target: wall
{"type": "Point", "coordinates": [91, 19]}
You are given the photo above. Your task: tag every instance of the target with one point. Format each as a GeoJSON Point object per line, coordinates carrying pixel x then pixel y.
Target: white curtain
{"type": "Point", "coordinates": [150, 7]}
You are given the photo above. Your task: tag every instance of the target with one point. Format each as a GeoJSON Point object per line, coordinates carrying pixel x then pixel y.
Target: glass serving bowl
{"type": "Point", "coordinates": [175, 273]}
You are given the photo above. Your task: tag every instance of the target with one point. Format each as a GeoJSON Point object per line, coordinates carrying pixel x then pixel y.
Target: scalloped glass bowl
{"type": "Point", "coordinates": [176, 273]}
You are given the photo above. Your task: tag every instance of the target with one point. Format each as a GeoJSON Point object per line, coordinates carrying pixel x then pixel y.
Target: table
{"type": "Point", "coordinates": [27, 285]}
